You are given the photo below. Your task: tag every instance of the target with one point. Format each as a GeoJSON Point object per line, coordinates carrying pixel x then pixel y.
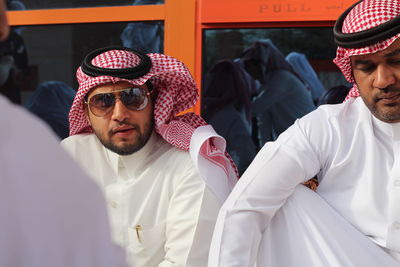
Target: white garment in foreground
{"type": "Point", "coordinates": [357, 161]}
{"type": "Point", "coordinates": [51, 214]}
{"type": "Point", "coordinates": [161, 210]}
{"type": "Point", "coordinates": [306, 231]}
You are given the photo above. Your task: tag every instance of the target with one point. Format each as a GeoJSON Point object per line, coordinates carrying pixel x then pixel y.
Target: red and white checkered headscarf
{"type": "Point", "coordinates": [177, 92]}
{"type": "Point", "coordinates": [366, 15]}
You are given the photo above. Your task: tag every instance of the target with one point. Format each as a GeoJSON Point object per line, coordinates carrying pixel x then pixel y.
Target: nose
{"type": "Point", "coordinates": [120, 111]}
{"type": "Point", "coordinates": [384, 77]}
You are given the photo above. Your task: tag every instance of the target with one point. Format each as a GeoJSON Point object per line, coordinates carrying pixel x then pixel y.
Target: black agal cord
{"type": "Point", "coordinates": [127, 73]}
{"type": "Point", "coordinates": [366, 37]}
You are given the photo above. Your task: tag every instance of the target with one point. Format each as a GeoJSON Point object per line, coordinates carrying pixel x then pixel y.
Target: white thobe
{"type": "Point", "coordinates": [51, 213]}
{"type": "Point", "coordinates": [161, 210]}
{"type": "Point", "coordinates": [356, 158]}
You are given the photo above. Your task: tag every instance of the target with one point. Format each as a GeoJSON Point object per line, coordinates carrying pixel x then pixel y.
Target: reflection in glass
{"type": "Point", "coordinates": [56, 51]}
{"type": "Point", "coordinates": [315, 43]}
{"type": "Point", "coordinates": [13, 67]}
{"type": "Point", "coordinates": [287, 87]}
{"type": "Point", "coordinates": [145, 36]}
{"type": "Point", "coordinates": [282, 96]}
{"type": "Point", "coordinates": [227, 96]}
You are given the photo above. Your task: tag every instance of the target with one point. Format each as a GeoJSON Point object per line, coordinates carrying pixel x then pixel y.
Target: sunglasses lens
{"type": "Point", "coordinates": [134, 98]}
{"type": "Point", "coordinates": [101, 103]}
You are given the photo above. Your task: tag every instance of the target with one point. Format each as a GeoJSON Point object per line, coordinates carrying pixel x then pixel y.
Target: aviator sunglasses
{"type": "Point", "coordinates": [134, 98]}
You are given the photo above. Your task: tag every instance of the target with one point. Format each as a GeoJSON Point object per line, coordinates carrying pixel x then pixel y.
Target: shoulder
{"type": "Point", "coordinates": [175, 162]}
{"type": "Point", "coordinates": [328, 123]}
{"type": "Point", "coordinates": [284, 77]}
{"type": "Point", "coordinates": [343, 113]}
{"type": "Point", "coordinates": [289, 85]}
{"type": "Point", "coordinates": [169, 155]}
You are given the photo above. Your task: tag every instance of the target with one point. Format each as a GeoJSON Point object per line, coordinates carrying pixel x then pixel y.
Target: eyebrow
{"type": "Point", "coordinates": [362, 62]}
{"type": "Point", "coordinates": [367, 61]}
{"type": "Point", "coordinates": [393, 53]}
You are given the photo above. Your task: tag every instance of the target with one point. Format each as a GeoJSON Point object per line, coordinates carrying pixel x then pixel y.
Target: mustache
{"type": "Point", "coordinates": [387, 92]}
{"type": "Point", "coordinates": [115, 127]}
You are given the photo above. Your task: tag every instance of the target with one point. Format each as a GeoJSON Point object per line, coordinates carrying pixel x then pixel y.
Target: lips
{"type": "Point", "coordinates": [123, 129]}
{"type": "Point", "coordinates": [389, 98]}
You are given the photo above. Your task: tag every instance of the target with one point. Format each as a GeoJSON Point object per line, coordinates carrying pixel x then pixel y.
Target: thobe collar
{"type": "Point", "coordinates": [390, 129]}
{"type": "Point", "coordinates": [129, 166]}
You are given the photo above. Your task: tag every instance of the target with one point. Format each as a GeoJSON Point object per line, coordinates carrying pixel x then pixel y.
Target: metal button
{"type": "Point", "coordinates": [113, 204]}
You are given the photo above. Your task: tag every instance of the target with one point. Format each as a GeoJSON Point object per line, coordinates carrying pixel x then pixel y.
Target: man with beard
{"type": "Point", "coordinates": [353, 218]}
{"type": "Point", "coordinates": [125, 131]}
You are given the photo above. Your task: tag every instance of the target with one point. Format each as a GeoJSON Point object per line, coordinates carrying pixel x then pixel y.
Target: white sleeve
{"type": "Point", "coordinates": [192, 213]}
{"type": "Point", "coordinates": [271, 178]}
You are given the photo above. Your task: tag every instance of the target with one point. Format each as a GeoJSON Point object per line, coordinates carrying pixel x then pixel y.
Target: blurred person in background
{"type": "Point", "coordinates": [13, 63]}
{"type": "Point", "coordinates": [13, 60]}
{"type": "Point", "coordinates": [303, 68]}
{"type": "Point", "coordinates": [51, 102]}
{"type": "Point", "coordinates": [227, 109]}
{"type": "Point", "coordinates": [334, 95]}
{"type": "Point", "coordinates": [145, 36]}
{"type": "Point", "coordinates": [282, 97]}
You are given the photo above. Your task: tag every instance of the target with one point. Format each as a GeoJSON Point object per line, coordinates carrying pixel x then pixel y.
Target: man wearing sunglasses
{"type": "Point", "coordinates": [164, 176]}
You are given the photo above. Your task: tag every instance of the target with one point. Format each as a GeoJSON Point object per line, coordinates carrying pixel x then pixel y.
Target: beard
{"type": "Point", "coordinates": [129, 148]}
{"type": "Point", "coordinates": [389, 112]}
{"type": "Point", "coordinates": [386, 116]}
